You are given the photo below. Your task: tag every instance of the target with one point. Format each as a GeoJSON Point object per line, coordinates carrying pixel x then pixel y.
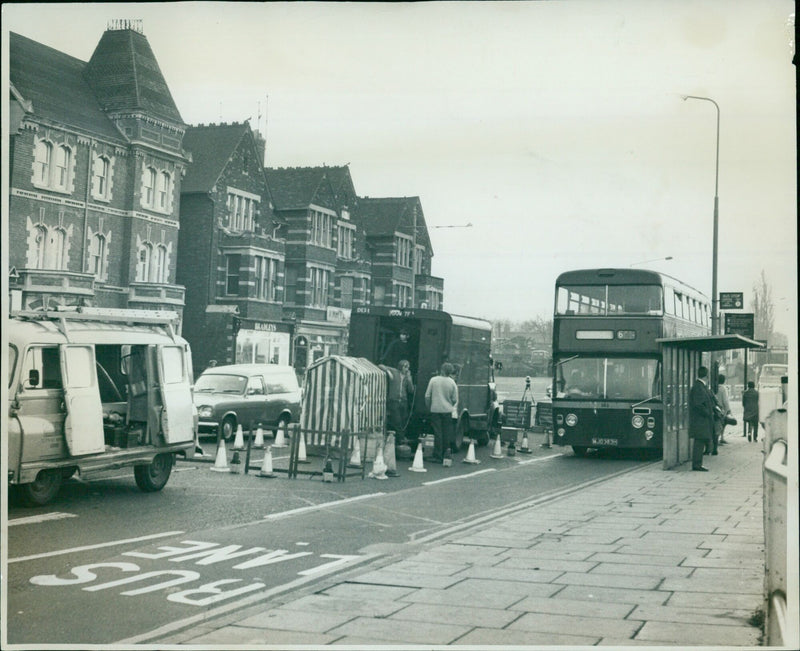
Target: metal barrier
{"type": "Point", "coordinates": [775, 474]}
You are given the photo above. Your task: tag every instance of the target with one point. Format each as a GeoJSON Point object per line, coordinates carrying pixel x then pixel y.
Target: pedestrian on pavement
{"type": "Point", "coordinates": [441, 398]}
{"type": "Point", "coordinates": [750, 416]}
{"type": "Point", "coordinates": [724, 410]}
{"type": "Point", "coordinates": [406, 397]}
{"type": "Point", "coordinates": [701, 418]}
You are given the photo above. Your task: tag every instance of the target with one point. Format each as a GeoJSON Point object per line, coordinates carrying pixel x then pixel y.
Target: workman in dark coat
{"type": "Point", "coordinates": [701, 417]}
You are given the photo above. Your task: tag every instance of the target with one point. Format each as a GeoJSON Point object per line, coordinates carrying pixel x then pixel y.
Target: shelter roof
{"type": "Point", "coordinates": [710, 343]}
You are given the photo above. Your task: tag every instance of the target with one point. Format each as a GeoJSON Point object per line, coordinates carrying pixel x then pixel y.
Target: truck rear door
{"type": "Point", "coordinates": [177, 423]}
{"type": "Point", "coordinates": [83, 425]}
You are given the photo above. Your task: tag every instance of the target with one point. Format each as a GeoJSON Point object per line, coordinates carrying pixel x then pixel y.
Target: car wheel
{"type": "Point", "coordinates": [579, 450]}
{"type": "Point", "coordinates": [42, 489]}
{"type": "Point", "coordinates": [228, 428]}
{"type": "Point", "coordinates": [153, 477]}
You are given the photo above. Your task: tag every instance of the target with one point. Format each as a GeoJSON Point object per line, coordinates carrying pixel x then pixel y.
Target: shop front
{"type": "Point", "coordinates": [263, 342]}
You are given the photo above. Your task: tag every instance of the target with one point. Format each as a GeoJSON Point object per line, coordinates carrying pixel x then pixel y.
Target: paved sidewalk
{"type": "Point", "coordinates": [653, 557]}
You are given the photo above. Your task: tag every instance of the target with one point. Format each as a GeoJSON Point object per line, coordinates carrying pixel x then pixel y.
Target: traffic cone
{"type": "Point", "coordinates": [524, 447]}
{"type": "Point", "coordinates": [280, 439]}
{"type": "Point", "coordinates": [301, 448]}
{"type": "Point", "coordinates": [379, 465]}
{"type": "Point", "coordinates": [470, 458]}
{"type": "Point", "coordinates": [447, 459]}
{"type": "Point", "coordinates": [236, 463]}
{"type": "Point", "coordinates": [547, 435]}
{"type": "Point", "coordinates": [389, 458]}
{"type": "Point", "coordinates": [418, 465]}
{"type": "Point", "coordinates": [258, 444]}
{"type": "Point", "coordinates": [238, 443]}
{"type": "Point", "coordinates": [221, 462]}
{"type": "Point", "coordinates": [266, 464]}
{"type": "Point", "coordinates": [497, 452]}
{"type": "Point", "coordinates": [511, 451]}
{"type": "Point", "coordinates": [355, 458]}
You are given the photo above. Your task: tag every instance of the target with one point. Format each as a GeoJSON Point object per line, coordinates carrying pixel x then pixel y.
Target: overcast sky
{"type": "Point", "coordinates": [557, 129]}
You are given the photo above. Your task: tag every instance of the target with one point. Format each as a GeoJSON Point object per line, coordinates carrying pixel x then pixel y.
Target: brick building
{"type": "Point", "coordinates": [95, 167]}
{"type": "Point", "coordinates": [231, 251]}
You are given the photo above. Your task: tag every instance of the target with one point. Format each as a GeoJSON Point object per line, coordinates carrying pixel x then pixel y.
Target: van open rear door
{"type": "Point", "coordinates": [83, 426]}
{"type": "Point", "coordinates": [178, 420]}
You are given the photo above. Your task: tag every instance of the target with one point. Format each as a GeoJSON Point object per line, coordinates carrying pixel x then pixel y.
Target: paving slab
{"type": "Point", "coordinates": [391, 630]}
{"type": "Point", "coordinates": [389, 576]}
{"type": "Point", "coordinates": [476, 592]}
{"type": "Point", "coordinates": [241, 635]}
{"type": "Point", "coordinates": [566, 607]}
{"type": "Point", "coordinates": [734, 601]}
{"type": "Point", "coordinates": [522, 637]}
{"type": "Point", "coordinates": [722, 585]}
{"type": "Point", "coordinates": [617, 595]}
{"type": "Point", "coordinates": [552, 623]}
{"type": "Point", "coordinates": [498, 573]}
{"type": "Point", "coordinates": [639, 559]}
{"type": "Point", "coordinates": [661, 571]}
{"type": "Point", "coordinates": [538, 563]}
{"type": "Point", "coordinates": [712, 616]}
{"type": "Point", "coordinates": [460, 615]}
{"type": "Point", "coordinates": [699, 634]}
{"type": "Point", "coordinates": [635, 582]}
{"type": "Point", "coordinates": [296, 620]}
{"type": "Point", "coordinates": [324, 603]}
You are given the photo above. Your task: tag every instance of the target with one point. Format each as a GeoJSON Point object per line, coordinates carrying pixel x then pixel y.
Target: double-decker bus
{"type": "Point", "coordinates": [607, 366]}
{"type": "Point", "coordinates": [426, 339]}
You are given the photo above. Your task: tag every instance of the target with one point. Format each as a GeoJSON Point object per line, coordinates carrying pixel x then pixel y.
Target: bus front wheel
{"type": "Point", "coordinates": [579, 450]}
{"type": "Point", "coordinates": [42, 489]}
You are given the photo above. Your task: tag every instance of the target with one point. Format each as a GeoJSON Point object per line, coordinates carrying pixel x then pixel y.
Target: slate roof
{"type": "Point", "coordinates": [294, 188]}
{"type": "Point", "coordinates": [125, 76]}
{"type": "Point", "coordinates": [54, 84]}
{"type": "Point", "coordinates": [386, 215]}
{"type": "Point", "coordinates": [211, 147]}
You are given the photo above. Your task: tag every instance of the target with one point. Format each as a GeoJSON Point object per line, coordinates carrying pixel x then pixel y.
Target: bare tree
{"type": "Point", "coordinates": [763, 308]}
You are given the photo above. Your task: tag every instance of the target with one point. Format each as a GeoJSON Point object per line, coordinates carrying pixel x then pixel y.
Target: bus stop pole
{"type": "Point", "coordinates": [744, 388]}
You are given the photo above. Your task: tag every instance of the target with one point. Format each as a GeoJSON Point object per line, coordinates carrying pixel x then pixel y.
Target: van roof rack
{"type": "Point", "coordinates": [166, 318]}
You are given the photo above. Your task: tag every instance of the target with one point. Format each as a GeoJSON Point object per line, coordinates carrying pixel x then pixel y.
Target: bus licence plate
{"type": "Point", "coordinates": [605, 441]}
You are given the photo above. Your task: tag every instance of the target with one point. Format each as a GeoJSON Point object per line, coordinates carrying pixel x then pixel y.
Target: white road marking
{"type": "Point", "coordinates": [454, 477]}
{"type": "Point", "coordinates": [112, 543]}
{"type": "Point", "coordinates": [35, 519]}
{"type": "Point", "coordinates": [551, 456]}
{"type": "Point", "coordinates": [318, 507]}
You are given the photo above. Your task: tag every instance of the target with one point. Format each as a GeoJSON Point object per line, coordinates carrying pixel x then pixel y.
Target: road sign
{"type": "Point", "coordinates": [740, 324]}
{"type": "Point", "coordinates": [731, 300]}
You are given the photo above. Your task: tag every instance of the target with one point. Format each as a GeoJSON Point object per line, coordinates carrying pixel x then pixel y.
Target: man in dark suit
{"type": "Point", "coordinates": [701, 417]}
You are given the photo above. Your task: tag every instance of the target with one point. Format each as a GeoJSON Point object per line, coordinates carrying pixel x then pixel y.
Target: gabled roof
{"type": "Point", "coordinates": [124, 74]}
{"type": "Point", "coordinates": [387, 215]}
{"type": "Point", "coordinates": [53, 83]}
{"type": "Point", "coordinates": [211, 147]}
{"type": "Point", "coordinates": [295, 188]}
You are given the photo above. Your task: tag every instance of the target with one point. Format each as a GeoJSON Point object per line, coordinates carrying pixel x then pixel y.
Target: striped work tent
{"type": "Point", "coordinates": [344, 394]}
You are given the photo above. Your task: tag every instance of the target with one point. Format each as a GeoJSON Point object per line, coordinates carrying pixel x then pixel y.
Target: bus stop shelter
{"type": "Point", "coordinates": [681, 358]}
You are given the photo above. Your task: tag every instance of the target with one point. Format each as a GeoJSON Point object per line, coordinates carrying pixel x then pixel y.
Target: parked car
{"type": "Point", "coordinates": [265, 395]}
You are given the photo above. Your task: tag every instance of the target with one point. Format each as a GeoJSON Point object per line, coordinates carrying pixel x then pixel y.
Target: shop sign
{"type": "Point", "coordinates": [338, 314]}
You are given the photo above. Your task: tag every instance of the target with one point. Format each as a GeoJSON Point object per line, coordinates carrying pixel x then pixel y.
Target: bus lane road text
{"type": "Point", "coordinates": [134, 579]}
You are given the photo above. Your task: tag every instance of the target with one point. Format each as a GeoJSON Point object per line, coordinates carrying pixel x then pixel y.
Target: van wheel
{"type": "Point", "coordinates": [153, 477]}
{"type": "Point", "coordinates": [228, 428]}
{"type": "Point", "coordinates": [42, 489]}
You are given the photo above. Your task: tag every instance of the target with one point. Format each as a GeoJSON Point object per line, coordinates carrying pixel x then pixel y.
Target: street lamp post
{"type": "Point", "coordinates": [633, 264]}
{"type": "Point", "coordinates": [714, 297]}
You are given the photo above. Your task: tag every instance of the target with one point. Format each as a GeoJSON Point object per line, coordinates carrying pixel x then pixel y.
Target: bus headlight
{"type": "Point", "coordinates": [560, 419]}
{"type": "Point", "coordinates": [205, 411]}
{"type": "Point", "coordinates": [571, 420]}
{"type": "Point", "coordinates": [648, 434]}
{"type": "Point", "coordinates": [560, 431]}
{"type": "Point", "coordinates": [637, 421]}
{"type": "Point", "coordinates": [651, 422]}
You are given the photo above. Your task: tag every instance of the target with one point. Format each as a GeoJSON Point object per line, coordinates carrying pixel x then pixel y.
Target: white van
{"type": "Point", "coordinates": [93, 389]}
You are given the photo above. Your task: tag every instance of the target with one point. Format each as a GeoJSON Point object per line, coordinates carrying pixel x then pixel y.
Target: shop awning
{"type": "Point", "coordinates": [711, 343]}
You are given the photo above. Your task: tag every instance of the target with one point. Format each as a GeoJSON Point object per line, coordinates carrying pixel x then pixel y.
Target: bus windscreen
{"type": "Point", "coordinates": [609, 300]}
{"type": "Point", "coordinates": [609, 378]}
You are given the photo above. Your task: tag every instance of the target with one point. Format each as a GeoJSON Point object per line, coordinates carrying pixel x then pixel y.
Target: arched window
{"type": "Point", "coordinates": [101, 173]}
{"type": "Point", "coordinates": [160, 271]}
{"type": "Point", "coordinates": [143, 262]}
{"type": "Point", "coordinates": [164, 186]}
{"type": "Point", "coordinates": [97, 254]}
{"type": "Point", "coordinates": [40, 246]}
{"type": "Point", "coordinates": [149, 187]}
{"type": "Point", "coordinates": [56, 248]}
{"type": "Point", "coordinates": [63, 167]}
{"type": "Point", "coordinates": [42, 160]}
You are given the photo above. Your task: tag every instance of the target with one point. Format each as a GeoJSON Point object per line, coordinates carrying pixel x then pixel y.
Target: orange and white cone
{"type": "Point", "coordinates": [389, 458]}
{"type": "Point", "coordinates": [258, 444]}
{"type": "Point", "coordinates": [378, 466]}
{"type": "Point", "coordinates": [221, 461]}
{"type": "Point", "coordinates": [238, 442]}
{"type": "Point", "coordinates": [236, 463]}
{"type": "Point", "coordinates": [497, 452]}
{"type": "Point", "coordinates": [280, 438]}
{"type": "Point", "coordinates": [418, 465]}
{"type": "Point", "coordinates": [301, 448]}
{"type": "Point", "coordinates": [524, 447]}
{"type": "Point", "coordinates": [266, 465]}
{"type": "Point", "coordinates": [355, 458]}
{"type": "Point", "coordinates": [470, 458]}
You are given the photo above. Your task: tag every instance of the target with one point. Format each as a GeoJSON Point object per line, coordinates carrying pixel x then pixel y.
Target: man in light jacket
{"type": "Point", "coordinates": [441, 398]}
